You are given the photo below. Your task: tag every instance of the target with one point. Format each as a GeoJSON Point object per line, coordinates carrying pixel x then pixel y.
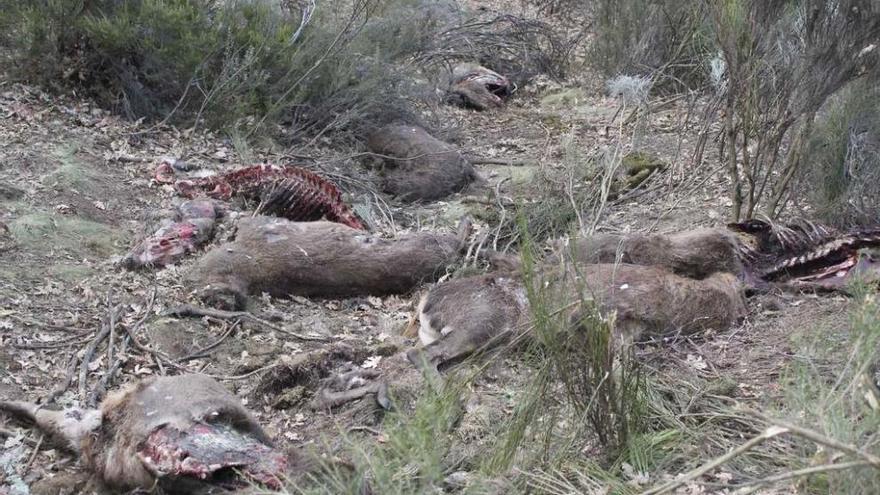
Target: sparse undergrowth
{"type": "Point", "coordinates": [592, 419]}
{"type": "Point", "coordinates": [245, 64]}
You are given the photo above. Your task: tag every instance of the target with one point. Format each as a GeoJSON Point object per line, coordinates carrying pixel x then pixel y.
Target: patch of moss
{"type": "Point", "coordinates": [638, 166]}
{"type": "Point", "coordinates": [553, 122]}
{"type": "Point", "coordinates": [69, 272]}
{"type": "Point", "coordinates": [73, 235]}
{"type": "Point", "coordinates": [564, 98]}
{"type": "Point", "coordinates": [71, 174]}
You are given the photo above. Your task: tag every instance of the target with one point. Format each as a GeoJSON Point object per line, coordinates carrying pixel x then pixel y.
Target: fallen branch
{"type": "Point", "coordinates": [827, 441]}
{"type": "Point", "coordinates": [755, 485]}
{"type": "Point", "coordinates": [205, 351]}
{"type": "Point", "coordinates": [93, 347]}
{"type": "Point", "coordinates": [494, 161]}
{"type": "Point", "coordinates": [188, 310]}
{"type": "Point", "coordinates": [33, 457]}
{"type": "Point", "coordinates": [771, 432]}
{"type": "Point", "coordinates": [100, 389]}
{"type": "Point", "coordinates": [65, 384]}
{"type": "Point", "coordinates": [12, 434]}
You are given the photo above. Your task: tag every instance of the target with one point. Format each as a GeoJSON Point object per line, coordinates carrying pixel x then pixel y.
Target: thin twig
{"type": "Point", "coordinates": [90, 352]}
{"type": "Point", "coordinates": [112, 337]}
{"type": "Point", "coordinates": [101, 388]}
{"type": "Point", "coordinates": [495, 161]}
{"type": "Point", "coordinates": [246, 375]}
{"type": "Point", "coordinates": [193, 311]}
{"type": "Point", "coordinates": [203, 352]}
{"type": "Point", "coordinates": [826, 441]}
{"type": "Point", "coordinates": [798, 473]}
{"type": "Point", "coordinates": [33, 456]}
{"type": "Point", "coordinates": [771, 432]}
{"type": "Point", "coordinates": [12, 434]}
{"type": "Point", "coordinates": [65, 384]}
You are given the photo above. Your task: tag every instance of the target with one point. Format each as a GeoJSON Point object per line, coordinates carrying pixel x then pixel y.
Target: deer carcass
{"type": "Point", "coordinates": [320, 259]}
{"type": "Point", "coordinates": [464, 315]}
{"type": "Point", "coordinates": [184, 434]}
{"type": "Point", "coordinates": [477, 87]}
{"type": "Point", "coordinates": [192, 228]}
{"type": "Point", "coordinates": [419, 167]}
{"type": "Point", "coordinates": [289, 192]}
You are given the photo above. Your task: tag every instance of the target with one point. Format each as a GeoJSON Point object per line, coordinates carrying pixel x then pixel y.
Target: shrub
{"type": "Point", "coordinates": [233, 63]}
{"type": "Point", "coordinates": [668, 40]}
{"type": "Point", "coordinates": [783, 61]}
{"type": "Point", "coordinates": [841, 177]}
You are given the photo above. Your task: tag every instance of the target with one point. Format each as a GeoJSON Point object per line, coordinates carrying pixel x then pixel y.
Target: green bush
{"type": "Point", "coordinates": [841, 178]}
{"type": "Point", "coordinates": [233, 64]}
{"type": "Point", "coordinates": [669, 40]}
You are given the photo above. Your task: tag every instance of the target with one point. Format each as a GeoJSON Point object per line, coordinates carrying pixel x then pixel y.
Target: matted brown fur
{"type": "Point", "coordinates": [422, 167]}
{"type": "Point", "coordinates": [467, 314]}
{"type": "Point", "coordinates": [693, 253]}
{"type": "Point", "coordinates": [321, 259]}
{"type": "Point", "coordinates": [649, 301]}
{"type": "Point", "coordinates": [460, 316]}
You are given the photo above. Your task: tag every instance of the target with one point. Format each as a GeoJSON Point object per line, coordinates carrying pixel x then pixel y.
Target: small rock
{"type": "Point", "coordinates": [457, 480]}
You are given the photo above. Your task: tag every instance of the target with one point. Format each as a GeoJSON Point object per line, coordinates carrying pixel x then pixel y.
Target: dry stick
{"type": "Point", "coordinates": [90, 353]}
{"type": "Point", "coordinates": [826, 441]}
{"type": "Point", "coordinates": [771, 432]}
{"type": "Point", "coordinates": [246, 375]}
{"type": "Point", "coordinates": [101, 388]}
{"type": "Point", "coordinates": [798, 473]}
{"type": "Point", "coordinates": [59, 344]}
{"type": "Point", "coordinates": [112, 337]}
{"type": "Point", "coordinates": [200, 353]}
{"type": "Point", "coordinates": [33, 456]}
{"type": "Point", "coordinates": [12, 434]}
{"type": "Point", "coordinates": [493, 161]}
{"type": "Point", "coordinates": [190, 310]}
{"type": "Point", "coordinates": [503, 212]}
{"type": "Point", "coordinates": [64, 385]}
{"type": "Point", "coordinates": [47, 326]}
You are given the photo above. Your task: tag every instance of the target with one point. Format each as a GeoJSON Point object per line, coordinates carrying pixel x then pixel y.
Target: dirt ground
{"type": "Point", "coordinates": [76, 194]}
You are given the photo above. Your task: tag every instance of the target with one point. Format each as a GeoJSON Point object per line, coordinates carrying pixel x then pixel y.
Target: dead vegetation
{"type": "Point", "coordinates": [703, 95]}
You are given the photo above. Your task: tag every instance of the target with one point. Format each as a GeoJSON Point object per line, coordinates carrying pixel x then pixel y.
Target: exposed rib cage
{"type": "Point", "coordinates": [779, 251]}
{"type": "Point", "coordinates": [289, 192]}
{"type": "Point", "coordinates": [836, 248]}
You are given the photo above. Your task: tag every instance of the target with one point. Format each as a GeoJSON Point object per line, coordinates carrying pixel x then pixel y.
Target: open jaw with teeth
{"type": "Point", "coordinates": [807, 256]}
{"type": "Point", "coordinates": [478, 87]}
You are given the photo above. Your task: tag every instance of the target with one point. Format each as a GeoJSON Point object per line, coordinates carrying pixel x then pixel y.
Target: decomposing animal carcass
{"type": "Point", "coordinates": [468, 314]}
{"type": "Point", "coordinates": [289, 192]}
{"type": "Point", "coordinates": [184, 434]}
{"type": "Point", "coordinates": [419, 167]}
{"type": "Point", "coordinates": [760, 254]}
{"type": "Point", "coordinates": [321, 259]}
{"type": "Point", "coordinates": [459, 317]}
{"type": "Point", "coordinates": [192, 228]}
{"type": "Point", "coordinates": [651, 302]}
{"type": "Point", "coordinates": [693, 253]}
{"type": "Point", "coordinates": [806, 255]}
{"type": "Point", "coordinates": [477, 87]}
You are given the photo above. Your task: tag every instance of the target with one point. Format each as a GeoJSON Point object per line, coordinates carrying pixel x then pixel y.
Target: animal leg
{"type": "Point", "coordinates": [353, 386]}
